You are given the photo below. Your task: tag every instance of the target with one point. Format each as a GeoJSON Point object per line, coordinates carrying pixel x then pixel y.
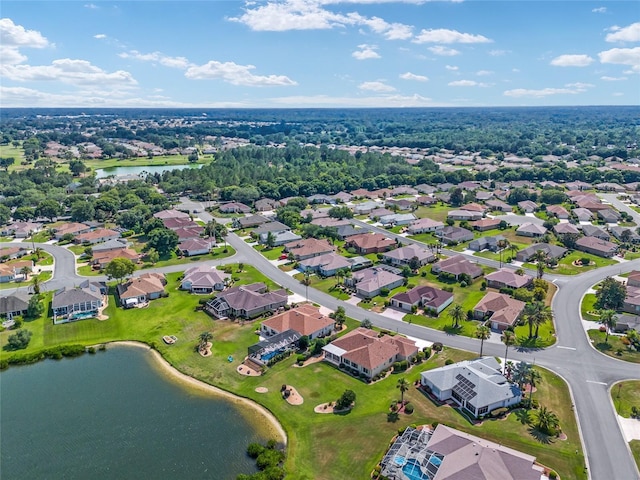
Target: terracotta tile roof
{"type": "Point", "coordinates": [305, 319]}
{"type": "Point", "coordinates": [502, 308]}
{"type": "Point", "coordinates": [97, 233]}
{"type": "Point", "coordinates": [366, 241]}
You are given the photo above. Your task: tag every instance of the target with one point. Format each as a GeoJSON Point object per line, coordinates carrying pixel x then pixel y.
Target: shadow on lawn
{"type": "Point", "coordinates": [541, 436]}
{"type": "Point", "coordinates": [603, 346]}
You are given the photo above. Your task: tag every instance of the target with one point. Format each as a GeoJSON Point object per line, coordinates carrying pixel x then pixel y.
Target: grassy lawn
{"type": "Point", "coordinates": [588, 305]}
{"type": "Point", "coordinates": [144, 161]}
{"type": "Point", "coordinates": [626, 395]}
{"type": "Point", "coordinates": [88, 271]}
{"type": "Point", "coordinates": [77, 249]}
{"type": "Point", "coordinates": [320, 446]}
{"type": "Point", "coordinates": [614, 347]}
{"type": "Point", "coordinates": [9, 151]}
{"type": "Point", "coordinates": [40, 237]}
{"type": "Point", "coordinates": [565, 265]}
{"type": "Point", "coordinates": [44, 276]}
{"type": "Point", "coordinates": [436, 212]}
{"type": "Point", "coordinates": [216, 254]}
{"type": "Point", "coordinates": [326, 285]}
{"type": "Point", "coordinates": [424, 238]}
{"type": "Point", "coordinates": [378, 301]}
{"type": "Point", "coordinates": [269, 253]}
{"type": "Point", "coordinates": [635, 450]}
{"type": "Point", "coordinates": [46, 260]}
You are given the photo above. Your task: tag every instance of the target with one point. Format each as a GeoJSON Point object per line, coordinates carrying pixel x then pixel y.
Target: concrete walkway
{"type": "Point", "coordinates": [630, 428]}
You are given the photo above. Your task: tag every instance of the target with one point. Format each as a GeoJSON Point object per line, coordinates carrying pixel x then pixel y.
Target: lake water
{"type": "Point", "coordinates": [106, 172]}
{"type": "Point", "coordinates": [113, 415]}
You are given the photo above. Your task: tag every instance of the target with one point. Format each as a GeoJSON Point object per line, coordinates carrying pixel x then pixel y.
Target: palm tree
{"type": "Point", "coordinates": [541, 260]}
{"type": "Point", "coordinates": [347, 275]}
{"type": "Point", "coordinates": [39, 253]}
{"type": "Point", "coordinates": [514, 250]}
{"type": "Point", "coordinates": [25, 271]}
{"type": "Point", "coordinates": [609, 319]}
{"type": "Point", "coordinates": [502, 244]}
{"type": "Point", "coordinates": [210, 229]}
{"type": "Point", "coordinates": [508, 338]}
{"type": "Point", "coordinates": [35, 283]}
{"type": "Point", "coordinates": [546, 420]}
{"type": "Point", "coordinates": [457, 315]}
{"type": "Point", "coordinates": [403, 385]}
{"type": "Point", "coordinates": [532, 311]}
{"type": "Point", "coordinates": [543, 316]}
{"type": "Point", "coordinates": [205, 337]}
{"type": "Point", "coordinates": [482, 332]}
{"type": "Point", "coordinates": [306, 281]}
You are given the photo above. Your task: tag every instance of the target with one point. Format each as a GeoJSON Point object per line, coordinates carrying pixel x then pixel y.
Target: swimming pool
{"type": "Point", "coordinates": [413, 471]}
{"type": "Point", "coordinates": [400, 460]}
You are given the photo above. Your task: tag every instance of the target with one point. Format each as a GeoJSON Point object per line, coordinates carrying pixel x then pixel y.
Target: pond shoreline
{"type": "Point", "coordinates": [171, 371]}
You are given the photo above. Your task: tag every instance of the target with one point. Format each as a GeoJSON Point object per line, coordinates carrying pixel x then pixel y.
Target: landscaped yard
{"type": "Point", "coordinates": [566, 267]}
{"type": "Point", "coordinates": [326, 285]}
{"type": "Point", "coordinates": [216, 254]}
{"type": "Point", "coordinates": [270, 253]}
{"type": "Point", "coordinates": [43, 277]}
{"type": "Point", "coordinates": [614, 347]}
{"type": "Point", "coordinates": [320, 446]}
{"type": "Point", "coordinates": [626, 395]}
{"type": "Point", "coordinates": [589, 305]}
{"type": "Point", "coordinates": [635, 450]}
{"type": "Point", "coordinates": [145, 161]}
{"type": "Point", "coordinates": [40, 237]}
{"type": "Point", "coordinates": [436, 212]}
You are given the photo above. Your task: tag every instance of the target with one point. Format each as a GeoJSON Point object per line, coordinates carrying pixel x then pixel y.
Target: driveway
{"type": "Point", "coordinates": [393, 314]}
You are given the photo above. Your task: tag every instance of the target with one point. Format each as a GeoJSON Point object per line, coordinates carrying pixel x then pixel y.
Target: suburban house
{"type": "Point", "coordinates": [397, 219]}
{"type": "Point", "coordinates": [304, 319]}
{"type": "Point", "coordinates": [279, 238]}
{"type": "Point", "coordinates": [326, 264]}
{"type": "Point", "coordinates": [632, 300]}
{"type": "Point", "coordinates": [342, 197]}
{"type": "Point", "coordinates": [70, 229]}
{"type": "Point", "coordinates": [246, 301]}
{"type": "Point", "coordinates": [473, 207]}
{"type": "Point", "coordinates": [308, 247]}
{"type": "Point", "coordinates": [366, 208]}
{"type": "Point", "coordinates": [553, 252]}
{"type": "Point", "coordinates": [601, 248]}
{"type": "Point", "coordinates": [402, 204]}
{"type": "Point", "coordinates": [558, 211]}
{"type": "Point", "coordinates": [492, 244]}
{"type": "Point", "coordinates": [102, 258]}
{"type": "Point", "coordinates": [362, 351]}
{"type": "Point", "coordinates": [625, 234]}
{"type": "Point", "coordinates": [424, 225]}
{"type": "Point", "coordinates": [485, 224]}
{"type": "Point", "coordinates": [565, 229]}
{"type": "Point", "coordinates": [454, 235]}
{"type": "Point", "coordinates": [464, 215]}
{"type": "Point", "coordinates": [175, 223]}
{"type": "Point", "coordinates": [170, 214]}
{"type": "Point", "coordinates": [204, 279]}
{"type": "Point", "coordinates": [12, 253]}
{"type": "Point", "coordinates": [194, 246]}
{"type": "Point", "coordinates": [608, 216]}
{"type": "Point", "coordinates": [478, 386]}
{"type": "Point", "coordinates": [531, 230]}
{"type": "Point", "coordinates": [446, 453]}
{"type": "Point", "coordinates": [597, 232]}
{"type": "Point", "coordinates": [456, 266]}
{"type": "Point", "coordinates": [110, 245]}
{"type": "Point", "coordinates": [269, 227]}
{"type": "Point", "coordinates": [249, 222]}
{"type": "Point", "coordinates": [144, 288]}
{"type": "Point", "coordinates": [431, 299]}
{"type": "Point", "coordinates": [234, 207]}
{"type": "Point", "coordinates": [507, 278]}
{"type": "Point", "coordinates": [528, 206]}
{"type": "Point", "coordinates": [426, 200]}
{"type": "Point", "coordinates": [379, 213]}
{"type": "Point", "coordinates": [633, 280]}
{"type": "Point", "coordinates": [98, 235]}
{"type": "Point", "coordinates": [500, 309]}
{"type": "Point", "coordinates": [346, 231]}
{"type": "Point", "coordinates": [20, 229]}
{"type": "Point", "coordinates": [76, 303]}
{"type": "Point", "coordinates": [403, 255]}
{"type": "Point", "coordinates": [330, 222]}
{"type": "Point", "coordinates": [265, 204]}
{"type": "Point", "coordinates": [189, 233]}
{"type": "Point", "coordinates": [582, 214]}
{"type": "Point", "coordinates": [14, 305]}
{"type": "Point", "coordinates": [370, 243]}
{"type": "Point", "coordinates": [13, 272]}
{"type": "Point", "coordinates": [498, 205]}
{"type": "Point", "coordinates": [370, 281]}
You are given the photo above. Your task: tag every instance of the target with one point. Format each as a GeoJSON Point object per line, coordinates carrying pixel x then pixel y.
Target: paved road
{"type": "Point", "coordinates": [612, 198]}
{"type": "Point", "coordinates": [589, 374]}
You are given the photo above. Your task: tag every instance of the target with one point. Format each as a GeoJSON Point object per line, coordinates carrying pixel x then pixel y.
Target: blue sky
{"type": "Point", "coordinates": [319, 53]}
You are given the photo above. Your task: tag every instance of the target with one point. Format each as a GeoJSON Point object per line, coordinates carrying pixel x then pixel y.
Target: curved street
{"type": "Point", "coordinates": [589, 374]}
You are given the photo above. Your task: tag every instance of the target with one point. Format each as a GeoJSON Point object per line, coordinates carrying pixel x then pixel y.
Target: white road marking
{"type": "Point", "coordinates": [566, 348]}
{"type": "Point", "coordinates": [597, 383]}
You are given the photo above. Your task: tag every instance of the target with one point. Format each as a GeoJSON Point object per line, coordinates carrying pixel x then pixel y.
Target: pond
{"type": "Point", "coordinates": [115, 415]}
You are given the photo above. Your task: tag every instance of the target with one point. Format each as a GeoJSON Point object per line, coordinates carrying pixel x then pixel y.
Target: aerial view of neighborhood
{"type": "Point", "coordinates": [409, 294]}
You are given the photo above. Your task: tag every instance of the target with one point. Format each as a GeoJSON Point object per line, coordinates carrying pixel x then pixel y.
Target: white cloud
{"type": "Point", "coordinates": [515, 70]}
{"type": "Point", "coordinates": [235, 74]}
{"type": "Point", "coordinates": [366, 52]}
{"type": "Point", "coordinates": [452, 67]}
{"type": "Point", "coordinates": [444, 51]}
{"type": "Point", "coordinates": [579, 85]}
{"type": "Point", "coordinates": [100, 36]}
{"type": "Point", "coordinates": [467, 83]}
{"type": "Point", "coordinates": [622, 56]}
{"type": "Point", "coordinates": [398, 31]}
{"type": "Point", "coordinates": [572, 61]}
{"type": "Point", "coordinates": [413, 76]}
{"type": "Point", "coordinates": [12, 35]}
{"type": "Point", "coordinates": [11, 56]}
{"type": "Point", "coordinates": [630, 33]}
{"type": "Point", "coordinates": [444, 35]}
{"type": "Point", "coordinates": [498, 53]}
{"type": "Point", "coordinates": [599, 10]}
{"type": "Point", "coordinates": [67, 70]}
{"type": "Point", "coordinates": [157, 57]}
{"type": "Point", "coordinates": [612, 79]}
{"type": "Point", "coordinates": [617, 94]}
{"type": "Point", "coordinates": [376, 87]}
{"type": "Point", "coordinates": [376, 101]}
{"type": "Point", "coordinates": [544, 92]}
{"type": "Point", "coordinates": [91, 6]}
{"type": "Point", "coordinates": [484, 73]}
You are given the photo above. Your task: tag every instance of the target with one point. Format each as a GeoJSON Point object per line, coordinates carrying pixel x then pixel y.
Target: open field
{"type": "Point", "coordinates": [145, 161]}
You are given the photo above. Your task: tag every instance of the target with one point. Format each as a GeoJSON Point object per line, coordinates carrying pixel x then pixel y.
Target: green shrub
{"type": "Point", "coordinates": [448, 361]}
{"type": "Point", "coordinates": [254, 450]}
{"type": "Point", "coordinates": [553, 475]}
{"type": "Point", "coordinates": [408, 408]}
